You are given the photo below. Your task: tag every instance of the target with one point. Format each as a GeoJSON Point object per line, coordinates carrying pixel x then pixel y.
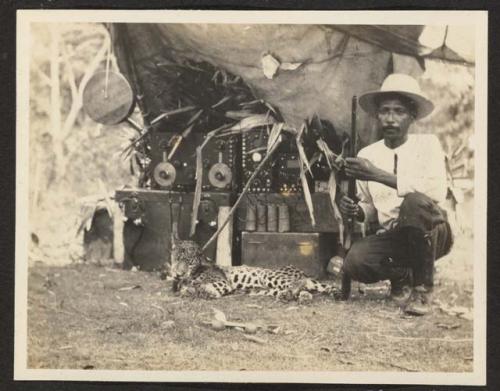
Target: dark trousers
{"type": "Point", "coordinates": [421, 236]}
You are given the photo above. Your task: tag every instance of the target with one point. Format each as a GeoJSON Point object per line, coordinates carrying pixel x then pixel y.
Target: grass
{"type": "Point", "coordinates": [88, 316]}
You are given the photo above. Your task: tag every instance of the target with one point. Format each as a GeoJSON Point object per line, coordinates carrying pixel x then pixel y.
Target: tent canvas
{"type": "Point", "coordinates": [311, 69]}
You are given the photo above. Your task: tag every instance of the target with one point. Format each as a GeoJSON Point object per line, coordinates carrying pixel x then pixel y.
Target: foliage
{"type": "Point", "coordinates": [69, 154]}
{"type": "Point", "coordinates": [451, 88]}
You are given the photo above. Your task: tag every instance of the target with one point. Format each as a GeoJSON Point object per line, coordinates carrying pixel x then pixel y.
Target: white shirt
{"type": "Point", "coordinates": [420, 167]}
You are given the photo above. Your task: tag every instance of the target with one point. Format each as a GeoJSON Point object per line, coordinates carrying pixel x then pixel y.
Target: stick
{"type": "Point", "coordinates": [398, 366]}
{"type": "Point", "coordinates": [461, 340]}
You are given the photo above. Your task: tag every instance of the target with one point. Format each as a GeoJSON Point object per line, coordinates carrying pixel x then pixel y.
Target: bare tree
{"type": "Point", "coordinates": [74, 53]}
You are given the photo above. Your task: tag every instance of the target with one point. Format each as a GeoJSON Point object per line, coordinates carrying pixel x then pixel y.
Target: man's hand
{"type": "Point", "coordinates": [349, 208]}
{"type": "Point", "coordinates": [360, 168]}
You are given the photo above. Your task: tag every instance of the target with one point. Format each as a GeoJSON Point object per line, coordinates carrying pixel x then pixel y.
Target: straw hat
{"type": "Point", "coordinates": [398, 83]}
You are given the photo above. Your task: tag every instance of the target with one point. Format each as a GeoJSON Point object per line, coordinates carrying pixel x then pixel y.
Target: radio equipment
{"type": "Point", "coordinates": [177, 171]}
{"type": "Point", "coordinates": [253, 150]}
{"type": "Point", "coordinates": [220, 164]}
{"type": "Point", "coordinates": [288, 173]}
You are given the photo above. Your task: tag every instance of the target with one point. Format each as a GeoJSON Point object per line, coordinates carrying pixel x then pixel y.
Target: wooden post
{"type": "Point", "coordinates": [118, 246]}
{"type": "Point", "coordinates": [225, 238]}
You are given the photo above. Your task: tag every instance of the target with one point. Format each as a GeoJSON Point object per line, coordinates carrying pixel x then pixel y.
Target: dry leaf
{"type": "Point", "coordinates": [448, 326]}
{"type": "Point", "coordinates": [234, 346]}
{"type": "Point", "coordinates": [219, 315]}
{"type": "Point", "coordinates": [129, 288]}
{"type": "Point", "coordinates": [290, 66]}
{"type": "Point", "coordinates": [273, 329]}
{"type": "Point", "coordinates": [167, 324]}
{"type": "Point", "coordinates": [253, 338]}
{"type": "Point", "coordinates": [269, 65]}
{"type": "Point", "coordinates": [254, 306]}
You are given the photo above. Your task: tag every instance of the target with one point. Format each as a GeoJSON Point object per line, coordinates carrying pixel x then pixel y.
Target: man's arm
{"type": "Point", "coordinates": [364, 170]}
{"type": "Point", "coordinates": [426, 174]}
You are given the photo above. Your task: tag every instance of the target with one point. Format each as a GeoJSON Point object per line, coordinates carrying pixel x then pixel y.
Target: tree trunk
{"type": "Point", "coordinates": [55, 102]}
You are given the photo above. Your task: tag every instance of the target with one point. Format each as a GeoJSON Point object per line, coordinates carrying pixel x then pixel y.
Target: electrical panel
{"type": "Point", "coordinates": [253, 151]}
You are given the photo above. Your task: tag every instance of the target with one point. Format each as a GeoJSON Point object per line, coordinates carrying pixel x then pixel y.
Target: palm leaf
{"type": "Point", "coordinates": [238, 114]}
{"type": "Point", "coordinates": [252, 122]}
{"type": "Point", "coordinates": [300, 148]}
{"type": "Point", "coordinates": [332, 191]}
{"type": "Point", "coordinates": [172, 112]}
{"type": "Point", "coordinates": [197, 191]}
{"type": "Point", "coordinates": [275, 133]}
{"type": "Point", "coordinates": [303, 179]}
{"type": "Point", "coordinates": [307, 193]}
{"type": "Point", "coordinates": [221, 102]}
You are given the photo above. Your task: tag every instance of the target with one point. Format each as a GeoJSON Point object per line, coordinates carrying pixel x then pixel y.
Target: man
{"type": "Point", "coordinates": [401, 181]}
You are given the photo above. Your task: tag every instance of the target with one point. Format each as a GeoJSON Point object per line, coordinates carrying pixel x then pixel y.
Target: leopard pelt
{"type": "Point", "coordinates": [194, 274]}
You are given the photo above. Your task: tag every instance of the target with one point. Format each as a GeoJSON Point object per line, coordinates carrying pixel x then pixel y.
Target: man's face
{"type": "Point", "coordinates": [394, 118]}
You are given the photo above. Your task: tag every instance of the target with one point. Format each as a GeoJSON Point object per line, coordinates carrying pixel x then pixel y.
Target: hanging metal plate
{"type": "Point", "coordinates": [108, 98]}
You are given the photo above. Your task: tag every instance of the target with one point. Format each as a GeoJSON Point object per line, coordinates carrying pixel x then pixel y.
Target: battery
{"type": "Point", "coordinates": [250, 218]}
{"type": "Point", "coordinates": [284, 218]}
{"type": "Point", "coordinates": [272, 218]}
{"type": "Point", "coordinates": [261, 218]}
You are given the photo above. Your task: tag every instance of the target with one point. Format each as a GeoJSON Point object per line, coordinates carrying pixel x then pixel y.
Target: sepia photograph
{"type": "Point", "coordinates": [251, 196]}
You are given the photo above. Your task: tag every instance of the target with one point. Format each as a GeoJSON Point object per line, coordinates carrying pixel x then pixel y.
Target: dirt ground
{"type": "Point", "coordinates": [101, 317]}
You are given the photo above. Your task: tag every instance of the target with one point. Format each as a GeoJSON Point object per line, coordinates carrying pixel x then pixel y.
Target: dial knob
{"type": "Point", "coordinates": [256, 157]}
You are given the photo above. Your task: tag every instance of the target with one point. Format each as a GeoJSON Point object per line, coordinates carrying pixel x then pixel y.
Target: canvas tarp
{"type": "Point", "coordinates": [317, 68]}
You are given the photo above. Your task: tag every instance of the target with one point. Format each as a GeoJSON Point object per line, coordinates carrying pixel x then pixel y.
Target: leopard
{"type": "Point", "coordinates": [196, 275]}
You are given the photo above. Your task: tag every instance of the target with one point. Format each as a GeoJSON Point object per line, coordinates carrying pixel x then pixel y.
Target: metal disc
{"type": "Point", "coordinates": [220, 175]}
{"type": "Point", "coordinates": [108, 98]}
{"type": "Point", "coordinates": [164, 174]}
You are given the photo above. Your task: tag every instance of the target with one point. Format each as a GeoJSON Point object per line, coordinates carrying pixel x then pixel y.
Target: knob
{"type": "Point", "coordinates": [256, 157]}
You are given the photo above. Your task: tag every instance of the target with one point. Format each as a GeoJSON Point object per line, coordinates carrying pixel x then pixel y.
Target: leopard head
{"type": "Point", "coordinates": [186, 258]}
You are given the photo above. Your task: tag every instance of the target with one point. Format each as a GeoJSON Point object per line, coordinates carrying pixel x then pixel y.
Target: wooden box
{"type": "Point", "coordinates": [309, 252]}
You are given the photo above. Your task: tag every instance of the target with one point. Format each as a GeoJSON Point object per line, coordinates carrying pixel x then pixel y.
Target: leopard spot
{"type": "Point", "coordinates": [243, 278]}
{"type": "Point", "coordinates": [269, 285]}
{"type": "Point", "coordinates": [239, 286]}
{"type": "Point", "coordinates": [235, 278]}
{"type": "Point", "coordinates": [275, 293]}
